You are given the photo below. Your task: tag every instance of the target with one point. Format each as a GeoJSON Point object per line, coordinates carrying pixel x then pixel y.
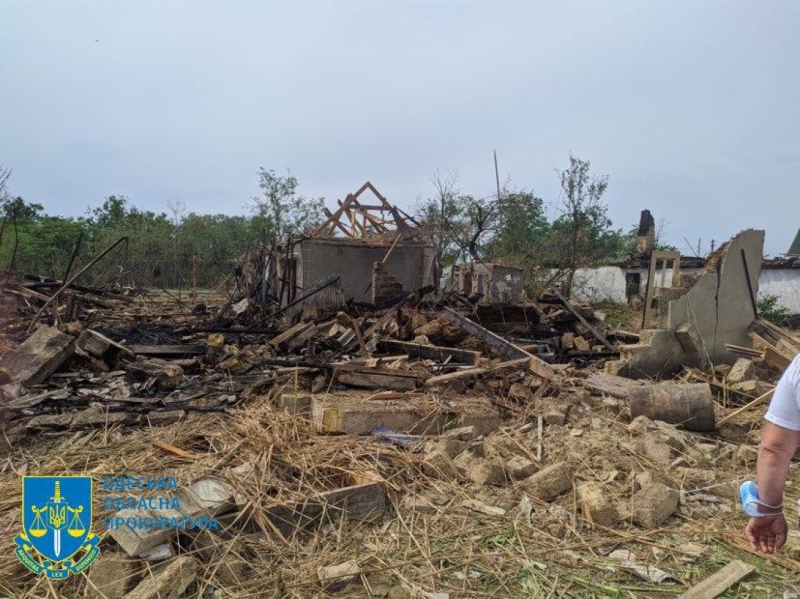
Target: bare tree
{"type": "Point", "coordinates": [5, 174]}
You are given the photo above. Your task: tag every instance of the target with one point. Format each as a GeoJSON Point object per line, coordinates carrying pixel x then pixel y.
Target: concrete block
{"type": "Point", "coordinates": [437, 464]}
{"type": "Point", "coordinates": [550, 482]}
{"type": "Point", "coordinates": [113, 576]}
{"type": "Point", "coordinates": [485, 471]}
{"type": "Point", "coordinates": [655, 450]}
{"type": "Point", "coordinates": [135, 541]}
{"type": "Point", "coordinates": [208, 497]}
{"type": "Point", "coordinates": [297, 404]}
{"type": "Point", "coordinates": [555, 417]}
{"type": "Point", "coordinates": [167, 583]}
{"type": "Point", "coordinates": [37, 358]}
{"type": "Point", "coordinates": [334, 578]}
{"type": "Point", "coordinates": [653, 504]}
{"type": "Point", "coordinates": [596, 506]}
{"type": "Point", "coordinates": [519, 467]}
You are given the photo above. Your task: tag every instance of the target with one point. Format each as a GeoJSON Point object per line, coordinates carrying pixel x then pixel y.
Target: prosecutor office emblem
{"type": "Point", "coordinates": [56, 519]}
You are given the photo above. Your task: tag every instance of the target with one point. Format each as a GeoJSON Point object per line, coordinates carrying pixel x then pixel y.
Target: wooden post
{"type": "Point", "coordinates": [194, 278]}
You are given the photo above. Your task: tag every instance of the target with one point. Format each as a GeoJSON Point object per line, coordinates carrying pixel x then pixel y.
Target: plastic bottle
{"type": "Point", "coordinates": [752, 505]}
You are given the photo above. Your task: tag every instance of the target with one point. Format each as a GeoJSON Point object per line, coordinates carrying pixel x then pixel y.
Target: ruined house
{"type": "Point", "coordinates": [695, 317]}
{"type": "Point", "coordinates": [495, 283]}
{"type": "Point", "coordinates": [375, 250]}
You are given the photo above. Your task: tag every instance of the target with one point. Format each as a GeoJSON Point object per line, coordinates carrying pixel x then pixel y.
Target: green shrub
{"type": "Point", "coordinates": [768, 309]}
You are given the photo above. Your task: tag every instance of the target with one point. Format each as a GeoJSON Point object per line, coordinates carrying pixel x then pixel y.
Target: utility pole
{"type": "Point", "coordinates": [497, 175]}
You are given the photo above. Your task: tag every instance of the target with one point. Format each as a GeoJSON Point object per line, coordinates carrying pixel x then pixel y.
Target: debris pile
{"type": "Point", "coordinates": [439, 445]}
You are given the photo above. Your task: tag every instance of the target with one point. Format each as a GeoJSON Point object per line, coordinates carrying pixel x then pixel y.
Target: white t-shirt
{"type": "Point", "coordinates": [784, 409]}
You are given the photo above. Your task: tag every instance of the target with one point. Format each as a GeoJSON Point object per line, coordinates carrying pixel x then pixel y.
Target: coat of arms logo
{"type": "Point", "coordinates": [56, 521]}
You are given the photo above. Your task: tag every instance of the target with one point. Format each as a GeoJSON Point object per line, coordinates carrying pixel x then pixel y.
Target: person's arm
{"type": "Point", "coordinates": [768, 533]}
{"type": "Point", "coordinates": [777, 448]}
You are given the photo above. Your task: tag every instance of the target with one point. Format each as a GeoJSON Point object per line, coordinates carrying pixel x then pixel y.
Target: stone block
{"type": "Point", "coordinates": [112, 576]}
{"type": "Point", "coordinates": [168, 582]}
{"type": "Point", "coordinates": [596, 506]}
{"type": "Point", "coordinates": [297, 404]}
{"type": "Point", "coordinates": [334, 578]}
{"type": "Point", "coordinates": [550, 482]}
{"type": "Point", "coordinates": [519, 467]}
{"type": "Point", "coordinates": [742, 370]}
{"type": "Point", "coordinates": [437, 464]}
{"type": "Point", "coordinates": [653, 504]}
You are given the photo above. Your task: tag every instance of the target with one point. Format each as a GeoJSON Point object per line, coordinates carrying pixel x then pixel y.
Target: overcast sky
{"type": "Point", "coordinates": [692, 108]}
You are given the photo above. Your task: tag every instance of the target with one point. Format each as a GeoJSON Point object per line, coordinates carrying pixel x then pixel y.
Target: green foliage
{"type": "Point", "coordinates": [514, 229]}
{"type": "Point", "coordinates": [280, 211]}
{"type": "Point", "coordinates": [768, 309]}
{"type": "Point", "coordinates": [163, 251]}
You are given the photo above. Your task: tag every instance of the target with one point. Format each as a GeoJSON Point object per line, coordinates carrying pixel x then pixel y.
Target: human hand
{"type": "Point", "coordinates": [767, 534]}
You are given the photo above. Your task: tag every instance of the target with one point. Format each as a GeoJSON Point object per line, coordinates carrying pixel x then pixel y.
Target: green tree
{"type": "Point", "coordinates": [579, 233]}
{"type": "Point", "coordinates": [280, 210]}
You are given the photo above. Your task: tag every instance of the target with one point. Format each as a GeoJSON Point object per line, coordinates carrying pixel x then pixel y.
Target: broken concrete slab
{"type": "Point", "coordinates": [168, 582]}
{"type": "Point", "coordinates": [37, 357]}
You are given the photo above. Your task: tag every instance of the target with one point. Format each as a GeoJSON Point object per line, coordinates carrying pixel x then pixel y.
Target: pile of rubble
{"type": "Point", "coordinates": [418, 446]}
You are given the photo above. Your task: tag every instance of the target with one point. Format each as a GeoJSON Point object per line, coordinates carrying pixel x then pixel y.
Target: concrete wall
{"type": "Point", "coordinates": [353, 262]}
{"type": "Point", "coordinates": [603, 284]}
{"type": "Point", "coordinates": [783, 283]}
{"type": "Point", "coordinates": [717, 307]}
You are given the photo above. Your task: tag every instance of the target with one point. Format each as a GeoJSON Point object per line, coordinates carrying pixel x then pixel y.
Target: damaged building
{"type": "Point", "coordinates": [494, 283]}
{"type": "Point", "coordinates": [626, 283]}
{"type": "Point", "coordinates": [694, 319]}
{"type": "Point", "coordinates": [375, 252]}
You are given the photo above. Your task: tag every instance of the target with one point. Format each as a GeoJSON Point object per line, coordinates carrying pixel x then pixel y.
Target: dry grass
{"type": "Point", "coordinates": [407, 553]}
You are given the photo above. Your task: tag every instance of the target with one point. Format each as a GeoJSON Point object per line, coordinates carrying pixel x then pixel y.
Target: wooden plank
{"type": "Point", "coordinates": [360, 416]}
{"type": "Point", "coordinates": [771, 353]}
{"type": "Point", "coordinates": [290, 334]}
{"type": "Point", "coordinates": [488, 337]}
{"type": "Point", "coordinates": [752, 404]}
{"type": "Point", "coordinates": [611, 384]}
{"type": "Point", "coordinates": [460, 375]}
{"type": "Point", "coordinates": [597, 334]}
{"type": "Point", "coordinates": [37, 358]}
{"type": "Point", "coordinates": [433, 352]}
{"type": "Point", "coordinates": [719, 582]}
{"type": "Point", "coordinates": [356, 502]}
{"type": "Point", "coordinates": [377, 378]}
{"type": "Point", "coordinates": [169, 351]}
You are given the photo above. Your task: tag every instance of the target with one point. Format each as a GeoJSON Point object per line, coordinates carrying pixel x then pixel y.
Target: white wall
{"type": "Point", "coordinates": [607, 283]}
{"type": "Point", "coordinates": [783, 283]}
{"type": "Point", "coordinates": [604, 284]}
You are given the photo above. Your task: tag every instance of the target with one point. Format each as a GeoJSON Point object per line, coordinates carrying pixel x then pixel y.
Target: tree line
{"type": "Point", "coordinates": [176, 247]}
